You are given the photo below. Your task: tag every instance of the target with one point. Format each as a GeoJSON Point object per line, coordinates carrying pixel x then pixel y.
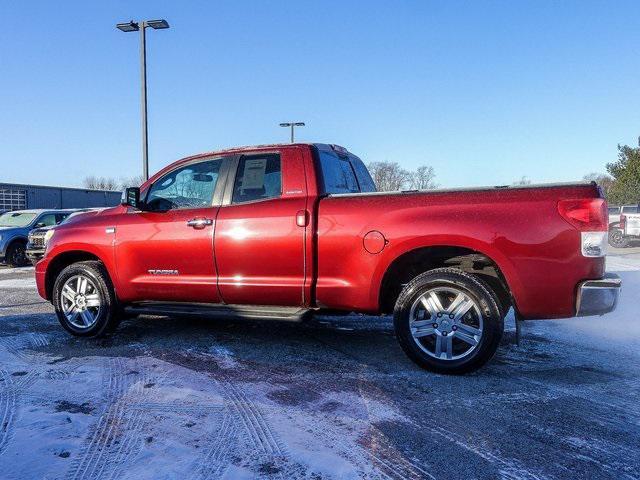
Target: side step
{"type": "Point", "coordinates": [256, 312]}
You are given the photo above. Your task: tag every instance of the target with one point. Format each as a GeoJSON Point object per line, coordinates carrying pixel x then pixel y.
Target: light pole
{"type": "Point", "coordinates": [141, 26]}
{"type": "Point", "coordinates": [292, 125]}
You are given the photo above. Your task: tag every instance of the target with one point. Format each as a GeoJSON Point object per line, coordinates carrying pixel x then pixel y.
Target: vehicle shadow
{"type": "Point", "coordinates": [322, 343]}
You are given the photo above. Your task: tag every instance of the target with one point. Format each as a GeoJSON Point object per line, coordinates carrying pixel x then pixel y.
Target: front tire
{"type": "Point", "coordinates": [448, 321]}
{"type": "Point", "coordinates": [17, 254]}
{"type": "Point", "coordinates": [85, 300]}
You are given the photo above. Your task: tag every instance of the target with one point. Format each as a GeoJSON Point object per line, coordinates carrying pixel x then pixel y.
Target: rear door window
{"type": "Point", "coordinates": [259, 177]}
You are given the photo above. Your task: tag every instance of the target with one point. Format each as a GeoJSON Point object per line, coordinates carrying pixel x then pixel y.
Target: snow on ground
{"type": "Point", "coordinates": [332, 398]}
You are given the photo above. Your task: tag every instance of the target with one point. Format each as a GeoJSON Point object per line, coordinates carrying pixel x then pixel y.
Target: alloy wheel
{"type": "Point", "coordinates": [80, 300]}
{"type": "Point", "coordinates": [446, 323]}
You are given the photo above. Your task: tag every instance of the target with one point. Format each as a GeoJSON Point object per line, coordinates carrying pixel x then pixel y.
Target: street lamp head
{"type": "Point", "coordinates": [128, 27]}
{"type": "Point", "coordinates": [299, 124]}
{"type": "Point", "coordinates": [285, 124]}
{"type": "Point", "coordinates": [158, 24]}
{"type": "Point", "coordinates": [294, 124]}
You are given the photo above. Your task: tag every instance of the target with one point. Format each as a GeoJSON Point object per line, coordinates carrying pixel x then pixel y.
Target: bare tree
{"type": "Point", "coordinates": [605, 181]}
{"type": "Point", "coordinates": [423, 178]}
{"type": "Point", "coordinates": [522, 181]}
{"type": "Point", "coordinates": [389, 176]}
{"type": "Point", "coordinates": [101, 183]}
{"type": "Point", "coordinates": [134, 181]}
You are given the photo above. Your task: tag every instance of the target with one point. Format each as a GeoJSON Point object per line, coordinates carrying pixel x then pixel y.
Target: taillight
{"type": "Point", "coordinates": [591, 218]}
{"type": "Point", "coordinates": [585, 214]}
{"type": "Point", "coordinates": [623, 222]}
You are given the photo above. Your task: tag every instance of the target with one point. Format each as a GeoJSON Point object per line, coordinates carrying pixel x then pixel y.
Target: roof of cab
{"type": "Point", "coordinates": [234, 150]}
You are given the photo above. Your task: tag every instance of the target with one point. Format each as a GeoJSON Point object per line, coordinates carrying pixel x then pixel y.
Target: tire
{"type": "Point", "coordinates": [617, 239]}
{"type": "Point", "coordinates": [16, 254]}
{"type": "Point", "coordinates": [481, 321]}
{"type": "Point", "coordinates": [78, 313]}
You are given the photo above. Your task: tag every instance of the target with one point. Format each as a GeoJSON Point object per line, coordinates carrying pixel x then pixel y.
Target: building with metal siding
{"type": "Point", "coordinates": [15, 196]}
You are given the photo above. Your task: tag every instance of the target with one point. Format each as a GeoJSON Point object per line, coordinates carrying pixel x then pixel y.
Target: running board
{"type": "Point", "coordinates": [258, 312]}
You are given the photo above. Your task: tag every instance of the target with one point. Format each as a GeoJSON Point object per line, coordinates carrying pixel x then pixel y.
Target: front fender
{"type": "Point", "coordinates": [68, 246]}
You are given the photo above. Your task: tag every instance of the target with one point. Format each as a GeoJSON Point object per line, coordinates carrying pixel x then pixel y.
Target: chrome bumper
{"type": "Point", "coordinates": [597, 297]}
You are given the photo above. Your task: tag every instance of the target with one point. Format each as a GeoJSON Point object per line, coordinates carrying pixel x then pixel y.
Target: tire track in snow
{"type": "Point", "coordinates": [115, 436]}
{"type": "Point", "coordinates": [389, 461]}
{"type": "Point", "coordinates": [8, 405]}
{"type": "Point", "coordinates": [214, 462]}
{"type": "Point", "coordinates": [264, 441]}
{"type": "Point", "coordinates": [127, 418]}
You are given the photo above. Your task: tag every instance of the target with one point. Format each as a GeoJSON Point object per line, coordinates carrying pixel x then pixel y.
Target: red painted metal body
{"type": "Point", "coordinates": [306, 250]}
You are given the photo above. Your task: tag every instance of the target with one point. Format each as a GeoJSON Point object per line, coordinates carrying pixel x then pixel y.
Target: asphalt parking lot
{"type": "Point", "coordinates": [332, 398]}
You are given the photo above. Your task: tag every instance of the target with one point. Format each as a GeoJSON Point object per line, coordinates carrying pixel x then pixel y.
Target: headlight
{"type": "Point", "coordinates": [48, 235]}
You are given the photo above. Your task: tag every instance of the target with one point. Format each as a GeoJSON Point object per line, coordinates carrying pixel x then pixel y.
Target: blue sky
{"type": "Point", "coordinates": [485, 92]}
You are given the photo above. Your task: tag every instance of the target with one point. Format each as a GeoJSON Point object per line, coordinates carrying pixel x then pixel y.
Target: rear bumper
{"type": "Point", "coordinates": [597, 297]}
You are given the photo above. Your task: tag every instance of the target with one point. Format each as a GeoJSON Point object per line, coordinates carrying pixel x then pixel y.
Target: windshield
{"type": "Point", "coordinates": [15, 219]}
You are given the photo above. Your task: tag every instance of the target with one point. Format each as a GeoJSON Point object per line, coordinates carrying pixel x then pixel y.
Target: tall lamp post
{"type": "Point", "coordinates": [292, 125]}
{"type": "Point", "coordinates": [141, 26]}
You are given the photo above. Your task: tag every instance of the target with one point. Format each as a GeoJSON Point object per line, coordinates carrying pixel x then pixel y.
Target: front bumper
{"type": "Point", "coordinates": [41, 272]}
{"type": "Point", "coordinates": [597, 297]}
{"type": "Point", "coordinates": [34, 254]}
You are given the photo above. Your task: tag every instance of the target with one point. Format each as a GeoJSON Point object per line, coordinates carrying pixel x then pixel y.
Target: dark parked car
{"type": "Point", "coordinates": [37, 239]}
{"type": "Point", "coordinates": [15, 227]}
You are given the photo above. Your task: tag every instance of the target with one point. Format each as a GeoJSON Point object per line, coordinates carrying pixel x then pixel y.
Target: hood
{"type": "Point", "coordinates": [79, 217]}
{"type": "Point", "coordinates": [42, 229]}
{"type": "Point", "coordinates": [9, 229]}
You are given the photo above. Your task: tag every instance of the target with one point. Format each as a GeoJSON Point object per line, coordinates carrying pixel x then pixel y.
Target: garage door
{"type": "Point", "coordinates": [13, 199]}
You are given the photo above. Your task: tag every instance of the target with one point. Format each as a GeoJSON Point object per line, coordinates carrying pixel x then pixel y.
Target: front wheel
{"type": "Point", "coordinates": [17, 254]}
{"type": "Point", "coordinates": [85, 300]}
{"type": "Point", "coordinates": [448, 321]}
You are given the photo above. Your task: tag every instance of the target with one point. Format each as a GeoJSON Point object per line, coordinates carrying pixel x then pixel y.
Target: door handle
{"type": "Point", "coordinates": [199, 223]}
{"type": "Point", "coordinates": [302, 218]}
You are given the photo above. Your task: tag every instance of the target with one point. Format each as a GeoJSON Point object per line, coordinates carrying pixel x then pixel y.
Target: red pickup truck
{"type": "Point", "coordinates": [283, 231]}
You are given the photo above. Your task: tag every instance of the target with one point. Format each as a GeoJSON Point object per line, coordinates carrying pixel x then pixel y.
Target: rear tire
{"type": "Point", "coordinates": [17, 254]}
{"type": "Point", "coordinates": [85, 300]}
{"type": "Point", "coordinates": [456, 332]}
{"type": "Point", "coordinates": [617, 238]}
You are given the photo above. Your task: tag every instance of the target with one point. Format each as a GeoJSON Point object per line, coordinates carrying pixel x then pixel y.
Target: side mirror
{"type": "Point", "coordinates": [131, 197]}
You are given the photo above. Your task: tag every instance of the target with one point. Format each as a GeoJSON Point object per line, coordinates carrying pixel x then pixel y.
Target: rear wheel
{"type": "Point", "coordinates": [17, 254]}
{"type": "Point", "coordinates": [85, 301]}
{"type": "Point", "coordinates": [448, 321]}
{"type": "Point", "coordinates": [617, 238]}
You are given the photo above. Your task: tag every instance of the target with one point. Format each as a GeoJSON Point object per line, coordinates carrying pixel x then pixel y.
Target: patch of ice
{"type": "Point", "coordinates": [18, 283]}
{"type": "Point", "coordinates": [16, 270]}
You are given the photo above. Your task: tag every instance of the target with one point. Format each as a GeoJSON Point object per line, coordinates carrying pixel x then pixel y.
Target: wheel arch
{"type": "Point", "coordinates": [411, 262]}
{"type": "Point", "coordinates": [16, 239]}
{"type": "Point", "coordinates": [63, 260]}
